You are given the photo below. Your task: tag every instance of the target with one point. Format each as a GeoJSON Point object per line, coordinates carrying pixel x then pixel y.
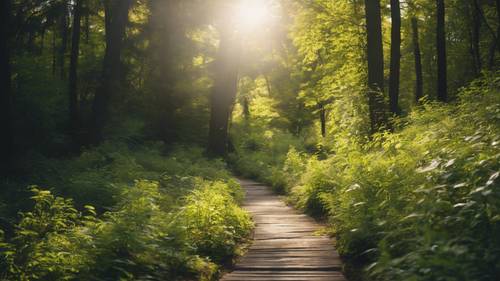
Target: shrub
{"type": "Point", "coordinates": [215, 224]}
{"type": "Point", "coordinates": [50, 242]}
{"type": "Point", "coordinates": [420, 203]}
{"type": "Point", "coordinates": [179, 220]}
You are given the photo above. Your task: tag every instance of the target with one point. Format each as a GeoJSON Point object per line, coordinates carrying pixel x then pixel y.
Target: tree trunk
{"type": "Point", "coordinates": [224, 94]}
{"type": "Point", "coordinates": [395, 57]}
{"type": "Point", "coordinates": [495, 44]}
{"type": "Point", "coordinates": [30, 44]}
{"type": "Point", "coordinates": [246, 108]}
{"type": "Point", "coordinates": [268, 86]}
{"type": "Point", "coordinates": [54, 53]}
{"type": "Point", "coordinates": [322, 118]}
{"type": "Point", "coordinates": [116, 19]}
{"type": "Point", "coordinates": [87, 23]}
{"type": "Point", "coordinates": [419, 81]}
{"type": "Point", "coordinates": [498, 25]}
{"type": "Point", "coordinates": [6, 142]}
{"type": "Point", "coordinates": [74, 118]}
{"type": "Point", "coordinates": [64, 39]}
{"type": "Point", "coordinates": [375, 66]}
{"type": "Point", "coordinates": [475, 37]}
{"type": "Point", "coordinates": [42, 41]}
{"type": "Point", "coordinates": [442, 94]}
{"type": "Point", "coordinates": [498, 19]}
{"type": "Point", "coordinates": [479, 18]}
{"type": "Point", "coordinates": [299, 121]}
{"type": "Point", "coordinates": [163, 38]}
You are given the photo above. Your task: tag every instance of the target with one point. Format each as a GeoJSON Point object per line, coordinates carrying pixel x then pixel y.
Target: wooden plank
{"type": "Point", "coordinates": [285, 245]}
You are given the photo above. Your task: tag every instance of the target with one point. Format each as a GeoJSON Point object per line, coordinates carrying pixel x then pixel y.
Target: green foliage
{"type": "Point", "coordinates": [264, 150]}
{"type": "Point", "coordinates": [420, 203]}
{"type": "Point", "coordinates": [180, 220]}
{"type": "Point", "coordinates": [215, 223]}
{"type": "Point", "coordinates": [51, 242]}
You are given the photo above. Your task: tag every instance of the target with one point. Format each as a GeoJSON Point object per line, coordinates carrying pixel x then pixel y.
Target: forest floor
{"type": "Point", "coordinates": [287, 245]}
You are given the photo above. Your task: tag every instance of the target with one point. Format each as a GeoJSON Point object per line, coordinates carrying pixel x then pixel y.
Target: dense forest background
{"type": "Point", "coordinates": [122, 119]}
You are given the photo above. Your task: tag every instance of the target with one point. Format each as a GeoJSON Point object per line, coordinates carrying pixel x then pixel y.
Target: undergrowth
{"type": "Point", "coordinates": [133, 215]}
{"type": "Point", "coordinates": [420, 203]}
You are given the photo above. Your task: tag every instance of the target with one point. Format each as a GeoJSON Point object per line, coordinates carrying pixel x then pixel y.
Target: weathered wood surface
{"type": "Point", "coordinates": [285, 245]}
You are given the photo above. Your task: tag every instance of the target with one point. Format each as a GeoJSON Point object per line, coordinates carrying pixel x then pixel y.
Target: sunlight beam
{"type": "Point", "coordinates": [251, 14]}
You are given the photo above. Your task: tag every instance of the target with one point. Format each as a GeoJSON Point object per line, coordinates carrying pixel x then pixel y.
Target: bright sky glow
{"type": "Point", "coordinates": [252, 13]}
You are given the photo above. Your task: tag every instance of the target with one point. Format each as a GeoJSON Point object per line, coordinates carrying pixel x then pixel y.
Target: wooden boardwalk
{"type": "Point", "coordinates": [285, 246]}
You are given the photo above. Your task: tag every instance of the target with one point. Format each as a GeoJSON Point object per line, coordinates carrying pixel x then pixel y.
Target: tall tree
{"type": "Point", "coordinates": [224, 92]}
{"type": "Point", "coordinates": [395, 57]}
{"type": "Point", "coordinates": [5, 88]}
{"type": "Point", "coordinates": [495, 44]}
{"type": "Point", "coordinates": [73, 73]}
{"type": "Point", "coordinates": [54, 53]}
{"type": "Point", "coordinates": [164, 37]}
{"type": "Point", "coordinates": [116, 19]}
{"type": "Point", "coordinates": [498, 24]}
{"type": "Point", "coordinates": [64, 29]}
{"type": "Point", "coordinates": [419, 81]}
{"type": "Point", "coordinates": [442, 88]}
{"type": "Point", "coordinates": [322, 118]}
{"type": "Point", "coordinates": [475, 36]}
{"type": "Point", "coordinates": [86, 14]}
{"type": "Point", "coordinates": [246, 108]}
{"type": "Point", "coordinates": [375, 65]}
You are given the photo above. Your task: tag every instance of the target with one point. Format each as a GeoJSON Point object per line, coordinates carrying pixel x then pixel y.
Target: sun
{"type": "Point", "coordinates": [251, 13]}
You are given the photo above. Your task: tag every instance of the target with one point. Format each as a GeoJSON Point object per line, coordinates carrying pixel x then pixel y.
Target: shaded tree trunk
{"type": "Point", "coordinates": [116, 19]}
{"type": "Point", "coordinates": [475, 37]}
{"type": "Point", "coordinates": [6, 140]}
{"type": "Point", "coordinates": [442, 94]}
{"type": "Point", "coordinates": [419, 81]}
{"type": "Point", "coordinates": [495, 44]}
{"type": "Point", "coordinates": [73, 75]}
{"type": "Point", "coordinates": [322, 118]}
{"type": "Point", "coordinates": [64, 39]}
{"type": "Point", "coordinates": [30, 44]}
{"type": "Point", "coordinates": [224, 92]}
{"type": "Point", "coordinates": [395, 57]}
{"type": "Point", "coordinates": [163, 36]}
{"type": "Point", "coordinates": [54, 53]}
{"type": "Point", "coordinates": [246, 108]}
{"type": "Point", "coordinates": [498, 19]}
{"type": "Point", "coordinates": [42, 41]}
{"type": "Point", "coordinates": [498, 25]}
{"type": "Point", "coordinates": [87, 23]}
{"type": "Point", "coordinates": [268, 85]}
{"type": "Point", "coordinates": [375, 66]}
{"type": "Point", "coordinates": [299, 121]}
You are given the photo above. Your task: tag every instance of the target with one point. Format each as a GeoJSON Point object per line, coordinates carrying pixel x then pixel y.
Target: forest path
{"type": "Point", "coordinates": [285, 245]}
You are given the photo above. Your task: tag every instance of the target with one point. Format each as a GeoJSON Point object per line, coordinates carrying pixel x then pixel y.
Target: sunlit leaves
{"type": "Point", "coordinates": [420, 203]}
{"type": "Point", "coordinates": [151, 233]}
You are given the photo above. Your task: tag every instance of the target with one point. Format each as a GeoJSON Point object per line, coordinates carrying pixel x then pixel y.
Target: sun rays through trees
{"type": "Point", "coordinates": [123, 122]}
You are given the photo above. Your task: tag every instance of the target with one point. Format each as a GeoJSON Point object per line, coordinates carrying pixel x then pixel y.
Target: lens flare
{"type": "Point", "coordinates": [251, 14]}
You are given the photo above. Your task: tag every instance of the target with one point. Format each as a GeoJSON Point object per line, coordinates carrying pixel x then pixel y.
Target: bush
{"type": "Point", "coordinates": [215, 224]}
{"type": "Point", "coordinates": [179, 220]}
{"type": "Point", "coordinates": [50, 242]}
{"type": "Point", "coordinates": [421, 203]}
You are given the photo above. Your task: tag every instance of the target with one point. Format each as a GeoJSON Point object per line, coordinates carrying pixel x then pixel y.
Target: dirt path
{"type": "Point", "coordinates": [285, 246]}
